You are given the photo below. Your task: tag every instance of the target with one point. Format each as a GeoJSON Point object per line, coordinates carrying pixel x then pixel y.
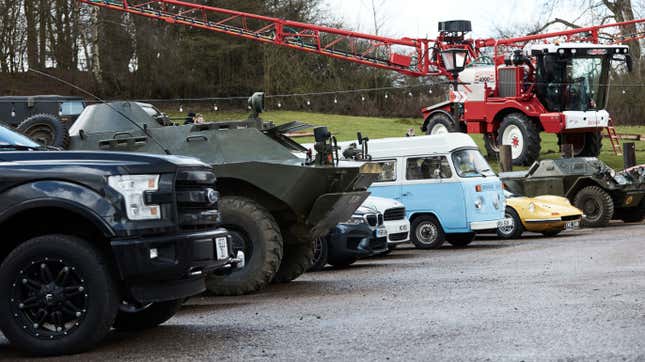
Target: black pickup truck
{"type": "Point", "coordinates": [93, 241]}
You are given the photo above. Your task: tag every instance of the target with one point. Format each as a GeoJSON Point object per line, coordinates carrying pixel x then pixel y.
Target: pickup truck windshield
{"type": "Point", "coordinates": [9, 138]}
{"type": "Point", "coordinates": [471, 163]}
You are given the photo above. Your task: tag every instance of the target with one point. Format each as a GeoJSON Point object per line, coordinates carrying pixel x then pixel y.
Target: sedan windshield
{"type": "Point", "coordinates": [471, 163]}
{"type": "Point", "coordinates": [10, 140]}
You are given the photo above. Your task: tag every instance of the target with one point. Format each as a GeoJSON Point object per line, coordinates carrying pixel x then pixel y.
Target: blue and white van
{"type": "Point", "coordinates": [448, 189]}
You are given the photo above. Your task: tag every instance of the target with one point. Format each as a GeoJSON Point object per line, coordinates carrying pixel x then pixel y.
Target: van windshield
{"type": "Point", "coordinates": [471, 163]}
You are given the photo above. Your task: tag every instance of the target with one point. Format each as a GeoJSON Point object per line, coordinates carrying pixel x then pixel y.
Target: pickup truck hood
{"type": "Point", "coordinates": [52, 163]}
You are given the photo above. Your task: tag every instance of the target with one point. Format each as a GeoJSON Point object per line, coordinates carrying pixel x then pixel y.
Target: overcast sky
{"type": "Point", "coordinates": [419, 18]}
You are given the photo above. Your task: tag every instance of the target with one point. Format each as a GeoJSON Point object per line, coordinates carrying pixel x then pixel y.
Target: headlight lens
{"type": "Point", "coordinates": [478, 203]}
{"type": "Point", "coordinates": [532, 207]}
{"type": "Point", "coordinates": [355, 220]}
{"type": "Point", "coordinates": [132, 187]}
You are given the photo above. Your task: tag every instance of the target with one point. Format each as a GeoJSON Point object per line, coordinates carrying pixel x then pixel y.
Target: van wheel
{"type": "Point", "coordinates": [513, 231]}
{"type": "Point", "coordinates": [58, 296]}
{"type": "Point", "coordinates": [427, 233]}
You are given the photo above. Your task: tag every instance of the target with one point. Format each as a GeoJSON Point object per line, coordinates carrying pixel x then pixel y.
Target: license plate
{"type": "Point", "coordinates": [221, 246]}
{"type": "Point", "coordinates": [572, 225]}
{"type": "Point", "coordinates": [505, 223]}
{"type": "Point", "coordinates": [381, 232]}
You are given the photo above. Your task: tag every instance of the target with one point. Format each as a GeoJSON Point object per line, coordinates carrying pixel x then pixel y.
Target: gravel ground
{"type": "Point", "coordinates": [580, 296]}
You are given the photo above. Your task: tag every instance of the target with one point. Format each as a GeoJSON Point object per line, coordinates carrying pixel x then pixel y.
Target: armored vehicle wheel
{"type": "Point", "coordinates": [321, 251]}
{"type": "Point", "coordinates": [513, 231]}
{"type": "Point", "coordinates": [45, 129]}
{"type": "Point", "coordinates": [297, 259]}
{"type": "Point", "coordinates": [342, 262]}
{"type": "Point", "coordinates": [551, 233]}
{"type": "Point", "coordinates": [58, 296]}
{"type": "Point", "coordinates": [597, 206]}
{"type": "Point", "coordinates": [254, 231]}
{"type": "Point", "coordinates": [523, 135]}
{"type": "Point", "coordinates": [427, 233]}
{"type": "Point", "coordinates": [460, 240]}
{"type": "Point", "coordinates": [441, 123]}
{"type": "Point", "coordinates": [584, 144]}
{"type": "Point", "coordinates": [634, 214]}
{"type": "Point", "coordinates": [147, 317]}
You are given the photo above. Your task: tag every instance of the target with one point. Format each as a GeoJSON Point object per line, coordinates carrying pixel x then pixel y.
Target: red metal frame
{"type": "Point", "coordinates": [413, 57]}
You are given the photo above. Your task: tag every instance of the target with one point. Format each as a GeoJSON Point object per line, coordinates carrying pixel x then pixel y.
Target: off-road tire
{"type": "Point", "coordinates": [150, 317]}
{"type": "Point", "coordinates": [252, 219]}
{"type": "Point", "coordinates": [320, 258]}
{"type": "Point", "coordinates": [342, 262]}
{"type": "Point", "coordinates": [491, 146]}
{"type": "Point", "coordinates": [551, 233]}
{"type": "Point", "coordinates": [427, 221]}
{"type": "Point", "coordinates": [442, 119]}
{"type": "Point", "coordinates": [46, 129]}
{"type": "Point", "coordinates": [592, 145]}
{"type": "Point", "coordinates": [86, 266]}
{"type": "Point", "coordinates": [530, 135]}
{"type": "Point", "coordinates": [297, 258]}
{"type": "Point", "coordinates": [602, 203]}
{"type": "Point", "coordinates": [518, 228]}
{"type": "Point", "coordinates": [460, 240]}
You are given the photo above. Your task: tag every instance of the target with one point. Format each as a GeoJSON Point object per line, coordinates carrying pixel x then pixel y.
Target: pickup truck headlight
{"type": "Point", "coordinates": [132, 187]}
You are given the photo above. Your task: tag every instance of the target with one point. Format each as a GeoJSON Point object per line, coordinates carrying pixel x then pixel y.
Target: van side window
{"type": "Point", "coordinates": [389, 171]}
{"type": "Point", "coordinates": [425, 168]}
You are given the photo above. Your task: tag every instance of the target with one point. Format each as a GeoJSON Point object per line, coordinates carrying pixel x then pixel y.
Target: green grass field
{"type": "Point", "coordinates": [345, 128]}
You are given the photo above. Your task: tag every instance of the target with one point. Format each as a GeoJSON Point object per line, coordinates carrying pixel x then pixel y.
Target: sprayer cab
{"type": "Point", "coordinates": [575, 76]}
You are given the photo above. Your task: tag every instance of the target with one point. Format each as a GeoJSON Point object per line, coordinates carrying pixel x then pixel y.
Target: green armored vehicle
{"type": "Point", "coordinates": [273, 202]}
{"type": "Point", "coordinates": [590, 185]}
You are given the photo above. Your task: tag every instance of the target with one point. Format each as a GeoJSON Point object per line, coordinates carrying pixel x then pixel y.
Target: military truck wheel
{"type": "Point", "coordinates": [460, 240]}
{"type": "Point", "coordinates": [148, 317]}
{"type": "Point", "coordinates": [584, 144]}
{"type": "Point", "coordinates": [523, 135]}
{"type": "Point", "coordinates": [58, 296]}
{"type": "Point", "coordinates": [427, 232]}
{"type": "Point", "coordinates": [321, 252]}
{"type": "Point", "coordinates": [515, 230]}
{"type": "Point", "coordinates": [45, 129]}
{"type": "Point", "coordinates": [632, 214]}
{"type": "Point", "coordinates": [596, 205]}
{"type": "Point", "coordinates": [297, 259]}
{"type": "Point", "coordinates": [255, 232]}
{"type": "Point", "coordinates": [441, 123]}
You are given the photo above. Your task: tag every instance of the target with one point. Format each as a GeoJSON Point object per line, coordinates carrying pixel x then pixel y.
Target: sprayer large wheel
{"type": "Point", "coordinates": [523, 135]}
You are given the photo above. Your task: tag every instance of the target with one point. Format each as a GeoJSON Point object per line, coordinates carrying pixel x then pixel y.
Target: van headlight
{"type": "Point", "coordinates": [479, 203]}
{"type": "Point", "coordinates": [133, 187]}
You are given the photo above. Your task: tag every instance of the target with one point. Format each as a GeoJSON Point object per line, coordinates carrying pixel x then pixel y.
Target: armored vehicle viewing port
{"type": "Point", "coordinates": [273, 202]}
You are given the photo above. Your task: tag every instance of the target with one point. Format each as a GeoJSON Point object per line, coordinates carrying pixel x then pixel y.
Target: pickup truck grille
{"type": "Point", "coordinates": [196, 199]}
{"type": "Point", "coordinates": [397, 213]}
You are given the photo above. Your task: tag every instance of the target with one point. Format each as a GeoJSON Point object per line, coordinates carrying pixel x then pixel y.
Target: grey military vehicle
{"type": "Point", "coordinates": [273, 203]}
{"type": "Point", "coordinates": [590, 185]}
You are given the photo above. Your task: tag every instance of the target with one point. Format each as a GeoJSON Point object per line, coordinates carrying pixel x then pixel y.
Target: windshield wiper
{"type": "Point", "coordinates": [21, 147]}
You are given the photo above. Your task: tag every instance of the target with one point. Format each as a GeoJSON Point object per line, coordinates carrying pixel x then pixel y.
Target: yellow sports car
{"type": "Point", "coordinates": [548, 215]}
